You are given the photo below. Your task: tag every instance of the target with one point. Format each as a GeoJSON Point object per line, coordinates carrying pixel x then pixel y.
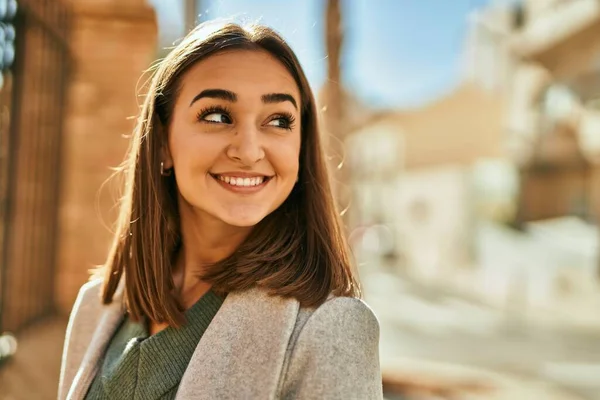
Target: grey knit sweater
{"type": "Point", "coordinates": [137, 366]}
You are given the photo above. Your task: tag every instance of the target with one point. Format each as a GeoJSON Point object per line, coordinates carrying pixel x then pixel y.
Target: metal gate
{"type": "Point", "coordinates": [31, 116]}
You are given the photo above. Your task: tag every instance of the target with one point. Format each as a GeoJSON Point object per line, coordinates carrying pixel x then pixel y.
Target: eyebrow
{"type": "Point", "coordinates": [215, 94]}
{"type": "Point", "coordinates": [230, 96]}
{"type": "Point", "coordinates": [278, 98]}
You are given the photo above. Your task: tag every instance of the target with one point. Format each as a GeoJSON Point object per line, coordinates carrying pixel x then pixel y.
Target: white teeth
{"type": "Point", "coordinates": [246, 182]}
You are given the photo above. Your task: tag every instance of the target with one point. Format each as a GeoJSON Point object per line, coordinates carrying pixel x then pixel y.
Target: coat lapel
{"type": "Point", "coordinates": [111, 317]}
{"type": "Point", "coordinates": [241, 354]}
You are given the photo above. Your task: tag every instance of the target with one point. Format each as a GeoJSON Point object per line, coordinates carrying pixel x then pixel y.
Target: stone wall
{"type": "Point", "coordinates": [112, 42]}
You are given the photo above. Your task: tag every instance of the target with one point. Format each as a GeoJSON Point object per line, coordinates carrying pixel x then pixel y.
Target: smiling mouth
{"type": "Point", "coordinates": [242, 182]}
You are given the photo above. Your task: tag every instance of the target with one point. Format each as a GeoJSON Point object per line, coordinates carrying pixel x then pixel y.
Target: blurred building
{"type": "Point", "coordinates": [524, 124]}
{"type": "Point", "coordinates": [66, 111]}
{"type": "Point", "coordinates": [515, 146]}
{"type": "Point", "coordinates": [404, 161]}
{"type": "Point", "coordinates": [411, 171]}
{"type": "Point", "coordinates": [553, 123]}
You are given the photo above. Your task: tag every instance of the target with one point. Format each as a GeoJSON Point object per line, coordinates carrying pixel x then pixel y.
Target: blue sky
{"type": "Point", "coordinates": [397, 53]}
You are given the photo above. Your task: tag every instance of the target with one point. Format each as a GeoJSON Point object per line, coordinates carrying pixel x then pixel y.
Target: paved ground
{"type": "Point", "coordinates": [32, 374]}
{"type": "Point", "coordinates": [442, 329]}
{"type": "Point", "coordinates": [527, 312]}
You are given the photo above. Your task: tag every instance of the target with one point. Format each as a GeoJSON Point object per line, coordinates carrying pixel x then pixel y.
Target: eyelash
{"type": "Point", "coordinates": [287, 117]}
{"type": "Point", "coordinates": [212, 110]}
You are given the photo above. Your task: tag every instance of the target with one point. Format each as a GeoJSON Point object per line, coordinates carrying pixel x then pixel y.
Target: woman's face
{"type": "Point", "coordinates": [234, 137]}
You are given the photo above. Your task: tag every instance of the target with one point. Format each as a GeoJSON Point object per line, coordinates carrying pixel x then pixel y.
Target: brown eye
{"type": "Point", "coordinates": [282, 122]}
{"type": "Point", "coordinates": [279, 123]}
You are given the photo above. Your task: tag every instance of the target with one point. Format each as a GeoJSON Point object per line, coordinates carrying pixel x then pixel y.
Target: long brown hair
{"type": "Point", "coordinates": [299, 250]}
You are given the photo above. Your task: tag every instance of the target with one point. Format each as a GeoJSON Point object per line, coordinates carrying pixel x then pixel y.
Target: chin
{"type": "Point", "coordinates": [243, 220]}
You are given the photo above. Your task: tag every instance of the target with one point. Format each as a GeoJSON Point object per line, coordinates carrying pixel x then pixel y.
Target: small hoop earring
{"type": "Point", "coordinates": [164, 172]}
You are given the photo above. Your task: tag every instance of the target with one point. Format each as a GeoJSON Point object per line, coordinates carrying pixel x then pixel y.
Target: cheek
{"type": "Point", "coordinates": [287, 159]}
{"type": "Point", "coordinates": [193, 159]}
{"type": "Point", "coordinates": [194, 153]}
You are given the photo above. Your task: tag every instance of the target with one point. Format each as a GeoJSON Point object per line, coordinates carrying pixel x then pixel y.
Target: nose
{"type": "Point", "coordinates": [246, 146]}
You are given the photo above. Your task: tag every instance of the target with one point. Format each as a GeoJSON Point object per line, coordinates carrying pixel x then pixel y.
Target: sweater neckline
{"type": "Point", "coordinates": [159, 361]}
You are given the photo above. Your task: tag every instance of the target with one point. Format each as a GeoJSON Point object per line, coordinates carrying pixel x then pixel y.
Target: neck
{"type": "Point", "coordinates": [205, 241]}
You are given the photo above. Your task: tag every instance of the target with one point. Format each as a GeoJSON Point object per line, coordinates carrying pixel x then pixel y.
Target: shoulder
{"type": "Point", "coordinates": [348, 310]}
{"type": "Point", "coordinates": [82, 323]}
{"type": "Point", "coordinates": [86, 310]}
{"type": "Point", "coordinates": [334, 352]}
{"type": "Point", "coordinates": [345, 319]}
{"type": "Point", "coordinates": [88, 298]}
{"type": "Point", "coordinates": [89, 290]}
{"type": "Point", "coordinates": [85, 314]}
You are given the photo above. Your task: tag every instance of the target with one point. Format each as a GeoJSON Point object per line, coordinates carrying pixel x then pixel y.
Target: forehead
{"type": "Point", "coordinates": [245, 72]}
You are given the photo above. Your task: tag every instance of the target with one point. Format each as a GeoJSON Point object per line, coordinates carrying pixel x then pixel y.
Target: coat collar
{"type": "Point", "coordinates": [109, 320]}
{"type": "Point", "coordinates": [245, 344]}
{"type": "Point", "coordinates": [242, 353]}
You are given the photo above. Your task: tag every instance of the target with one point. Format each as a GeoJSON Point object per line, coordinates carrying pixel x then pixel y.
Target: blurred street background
{"type": "Point", "coordinates": [465, 139]}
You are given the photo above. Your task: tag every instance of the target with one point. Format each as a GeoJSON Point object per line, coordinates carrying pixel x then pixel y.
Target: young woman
{"type": "Point", "coordinates": [229, 276]}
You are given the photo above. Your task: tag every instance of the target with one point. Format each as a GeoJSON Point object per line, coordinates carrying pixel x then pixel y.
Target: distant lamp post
{"type": "Point", "coordinates": [190, 14]}
{"type": "Point", "coordinates": [333, 98]}
{"type": "Point", "coordinates": [8, 11]}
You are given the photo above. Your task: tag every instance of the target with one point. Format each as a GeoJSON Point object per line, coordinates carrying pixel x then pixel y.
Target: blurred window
{"type": "Point", "coordinates": [558, 102]}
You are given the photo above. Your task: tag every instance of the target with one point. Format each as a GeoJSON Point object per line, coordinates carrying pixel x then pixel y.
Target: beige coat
{"type": "Point", "coordinates": [256, 347]}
